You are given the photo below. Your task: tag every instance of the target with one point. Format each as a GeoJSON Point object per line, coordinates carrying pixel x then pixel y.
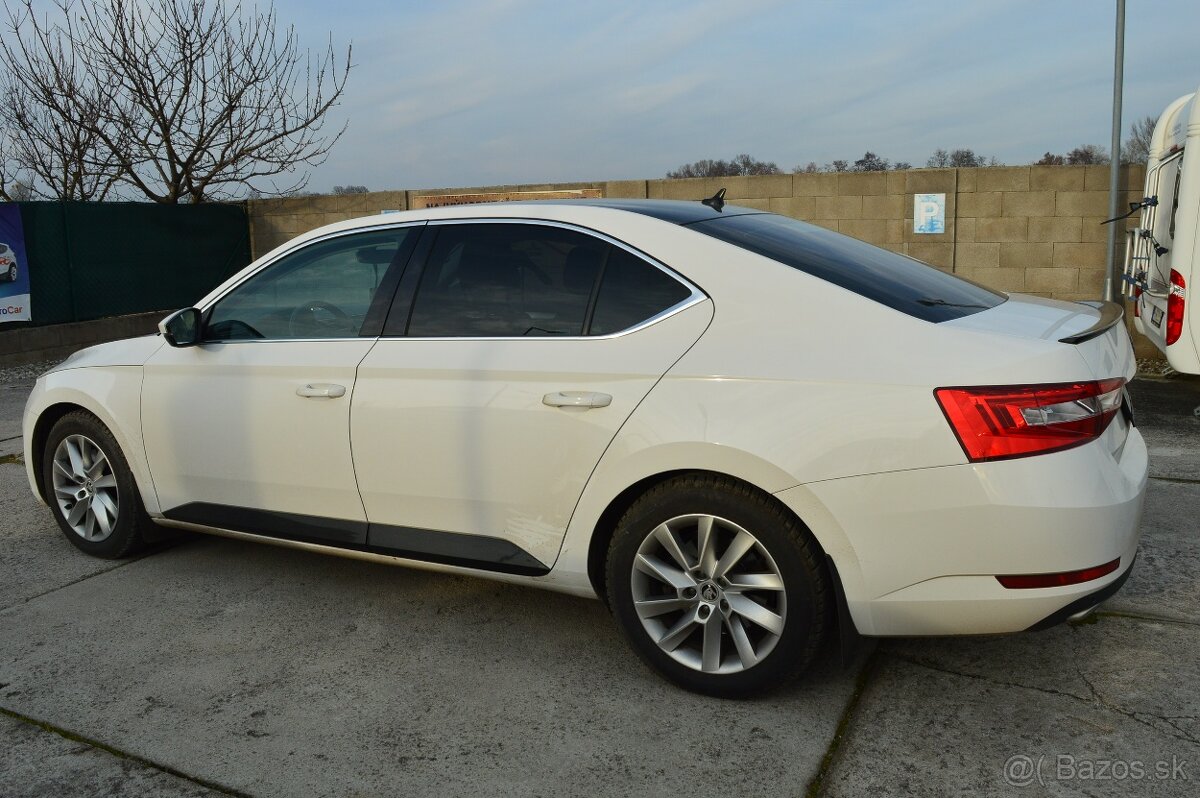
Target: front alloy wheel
{"type": "Point", "coordinates": [85, 488]}
{"type": "Point", "coordinates": [91, 491]}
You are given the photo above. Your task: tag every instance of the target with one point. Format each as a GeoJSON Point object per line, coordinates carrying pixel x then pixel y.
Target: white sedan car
{"type": "Point", "coordinates": [739, 430]}
{"type": "Point", "coordinates": [8, 264]}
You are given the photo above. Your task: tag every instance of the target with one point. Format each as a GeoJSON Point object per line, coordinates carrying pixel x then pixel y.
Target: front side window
{"type": "Point", "coordinates": [325, 290]}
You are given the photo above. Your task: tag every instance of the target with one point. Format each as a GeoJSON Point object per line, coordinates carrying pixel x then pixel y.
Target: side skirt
{"type": "Point", "coordinates": [372, 542]}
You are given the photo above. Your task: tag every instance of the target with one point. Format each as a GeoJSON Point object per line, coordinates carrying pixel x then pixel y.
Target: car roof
{"type": "Point", "coordinates": [675, 211]}
{"type": "Point", "coordinates": [678, 212]}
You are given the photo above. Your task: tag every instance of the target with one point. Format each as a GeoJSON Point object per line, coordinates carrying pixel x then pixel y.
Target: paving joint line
{"type": "Point", "coordinates": [1140, 616]}
{"type": "Point", "coordinates": [74, 582]}
{"type": "Point", "coordinates": [1177, 480]}
{"type": "Point", "coordinates": [817, 786]}
{"type": "Point", "coordinates": [141, 760]}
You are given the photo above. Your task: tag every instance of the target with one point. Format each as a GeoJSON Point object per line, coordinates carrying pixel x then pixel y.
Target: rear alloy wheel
{"type": "Point", "coordinates": [90, 488]}
{"type": "Point", "coordinates": [717, 587]}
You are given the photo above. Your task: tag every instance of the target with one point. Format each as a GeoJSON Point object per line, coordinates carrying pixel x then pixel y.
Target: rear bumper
{"type": "Point", "coordinates": [918, 551]}
{"type": "Point", "coordinates": [1086, 603]}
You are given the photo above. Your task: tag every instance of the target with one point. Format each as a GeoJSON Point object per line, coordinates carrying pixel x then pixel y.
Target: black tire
{"type": "Point", "coordinates": [128, 533]}
{"type": "Point", "coordinates": [12, 273]}
{"type": "Point", "coordinates": [796, 558]}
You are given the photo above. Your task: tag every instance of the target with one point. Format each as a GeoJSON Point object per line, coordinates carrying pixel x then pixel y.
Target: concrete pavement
{"type": "Point", "coordinates": [219, 667]}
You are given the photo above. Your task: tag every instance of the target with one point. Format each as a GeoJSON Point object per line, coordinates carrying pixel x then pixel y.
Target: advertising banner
{"type": "Point", "coordinates": [14, 267]}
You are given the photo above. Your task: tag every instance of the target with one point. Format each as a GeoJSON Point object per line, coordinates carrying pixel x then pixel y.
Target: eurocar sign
{"type": "Point", "coordinates": [14, 266]}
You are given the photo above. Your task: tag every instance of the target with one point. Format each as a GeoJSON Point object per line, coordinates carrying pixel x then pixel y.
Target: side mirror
{"type": "Point", "coordinates": [181, 328]}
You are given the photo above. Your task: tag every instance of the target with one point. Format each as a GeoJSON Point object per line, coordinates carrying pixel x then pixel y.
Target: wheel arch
{"type": "Point", "coordinates": [41, 433]}
{"type": "Point", "coordinates": [67, 391]}
{"type": "Point", "coordinates": [606, 523]}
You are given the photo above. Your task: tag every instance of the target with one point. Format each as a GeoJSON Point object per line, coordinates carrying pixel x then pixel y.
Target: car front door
{"type": "Point", "coordinates": [249, 430]}
{"type": "Point", "coordinates": [508, 364]}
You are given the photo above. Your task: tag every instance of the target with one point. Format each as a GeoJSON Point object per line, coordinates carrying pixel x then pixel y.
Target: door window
{"type": "Point", "coordinates": [524, 280]}
{"type": "Point", "coordinates": [324, 290]}
{"type": "Point", "coordinates": [506, 280]}
{"type": "Point", "coordinates": [632, 291]}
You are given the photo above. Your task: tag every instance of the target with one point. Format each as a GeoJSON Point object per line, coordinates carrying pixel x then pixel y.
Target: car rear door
{"type": "Point", "coordinates": [250, 430]}
{"type": "Point", "coordinates": [510, 359]}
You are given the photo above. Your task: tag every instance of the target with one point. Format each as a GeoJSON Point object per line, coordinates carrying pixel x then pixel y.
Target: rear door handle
{"type": "Point", "coordinates": [577, 399]}
{"type": "Point", "coordinates": [321, 390]}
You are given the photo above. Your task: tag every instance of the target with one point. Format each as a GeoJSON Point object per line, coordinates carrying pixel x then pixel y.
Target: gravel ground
{"type": "Point", "coordinates": [11, 375]}
{"type": "Point", "coordinates": [1154, 367]}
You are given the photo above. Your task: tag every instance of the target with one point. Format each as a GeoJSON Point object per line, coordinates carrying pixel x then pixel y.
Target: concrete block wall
{"type": "Point", "coordinates": [1030, 229]}
{"type": "Point", "coordinates": [277, 221]}
{"type": "Point", "coordinates": [1034, 229]}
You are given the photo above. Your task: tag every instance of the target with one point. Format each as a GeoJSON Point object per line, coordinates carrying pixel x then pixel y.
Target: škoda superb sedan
{"type": "Point", "coordinates": [742, 432]}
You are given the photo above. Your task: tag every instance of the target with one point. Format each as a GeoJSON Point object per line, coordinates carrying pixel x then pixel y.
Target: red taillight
{"type": "Point", "coordinates": [1137, 301]}
{"type": "Point", "coordinates": [1175, 307]}
{"type": "Point", "coordinates": [1026, 581]}
{"type": "Point", "coordinates": [999, 422]}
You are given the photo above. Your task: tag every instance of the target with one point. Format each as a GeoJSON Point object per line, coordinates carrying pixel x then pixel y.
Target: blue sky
{"type": "Point", "coordinates": [473, 92]}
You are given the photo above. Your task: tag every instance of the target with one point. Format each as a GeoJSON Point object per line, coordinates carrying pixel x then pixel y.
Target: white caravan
{"type": "Point", "coordinates": [1161, 253]}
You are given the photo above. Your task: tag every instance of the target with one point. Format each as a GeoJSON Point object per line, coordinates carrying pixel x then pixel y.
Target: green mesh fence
{"type": "Point", "coordinates": [88, 260]}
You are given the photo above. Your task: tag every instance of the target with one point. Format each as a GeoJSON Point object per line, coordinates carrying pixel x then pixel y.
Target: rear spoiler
{"type": "Point", "coordinates": [1111, 314]}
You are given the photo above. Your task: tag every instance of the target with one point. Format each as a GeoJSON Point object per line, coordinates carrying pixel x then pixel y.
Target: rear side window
{"type": "Point", "coordinates": [894, 280]}
{"type": "Point", "coordinates": [632, 291]}
{"type": "Point", "coordinates": [506, 280]}
{"type": "Point", "coordinates": [501, 280]}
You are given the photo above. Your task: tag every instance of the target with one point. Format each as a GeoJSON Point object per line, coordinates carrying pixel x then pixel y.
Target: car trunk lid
{"type": "Point", "coordinates": [1096, 332]}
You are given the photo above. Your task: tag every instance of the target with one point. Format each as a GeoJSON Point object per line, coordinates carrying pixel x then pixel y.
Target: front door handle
{"type": "Point", "coordinates": [577, 399]}
{"type": "Point", "coordinates": [321, 390]}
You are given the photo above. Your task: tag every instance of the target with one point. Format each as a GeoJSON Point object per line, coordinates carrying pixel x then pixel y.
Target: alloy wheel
{"type": "Point", "coordinates": [85, 488]}
{"type": "Point", "coordinates": [709, 594]}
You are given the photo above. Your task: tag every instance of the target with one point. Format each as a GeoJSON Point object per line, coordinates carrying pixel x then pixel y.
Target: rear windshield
{"type": "Point", "coordinates": [894, 280]}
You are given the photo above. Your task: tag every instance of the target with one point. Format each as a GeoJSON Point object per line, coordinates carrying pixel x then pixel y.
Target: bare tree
{"type": "Point", "coordinates": [46, 152]}
{"type": "Point", "coordinates": [1088, 154]}
{"type": "Point", "coordinates": [740, 165]}
{"type": "Point", "coordinates": [179, 100]}
{"type": "Point", "coordinates": [1050, 159]}
{"type": "Point", "coordinates": [341, 190]}
{"type": "Point", "coordinates": [1136, 148]}
{"type": "Point", "coordinates": [870, 162]}
{"type": "Point", "coordinates": [964, 158]}
{"type": "Point", "coordinates": [967, 158]}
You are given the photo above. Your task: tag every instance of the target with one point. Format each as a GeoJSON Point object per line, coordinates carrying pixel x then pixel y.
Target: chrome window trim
{"type": "Point", "coordinates": [696, 294]}
{"type": "Point", "coordinates": [695, 297]}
